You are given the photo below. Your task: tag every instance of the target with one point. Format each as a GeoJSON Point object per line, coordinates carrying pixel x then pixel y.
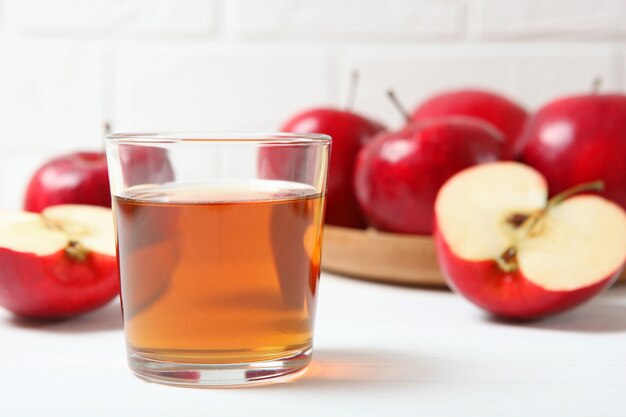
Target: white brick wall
{"type": "Point", "coordinates": [400, 20]}
{"type": "Point", "coordinates": [502, 19]}
{"type": "Point", "coordinates": [15, 172]}
{"type": "Point", "coordinates": [66, 65]}
{"type": "Point", "coordinates": [530, 73]}
{"type": "Point", "coordinates": [166, 87]}
{"type": "Point", "coordinates": [51, 94]}
{"type": "Point", "coordinates": [158, 18]}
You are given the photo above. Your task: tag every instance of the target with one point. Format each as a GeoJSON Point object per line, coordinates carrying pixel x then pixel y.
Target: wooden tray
{"type": "Point", "coordinates": [383, 257]}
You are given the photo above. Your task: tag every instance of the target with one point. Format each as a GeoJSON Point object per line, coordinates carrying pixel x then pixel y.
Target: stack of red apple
{"type": "Point", "coordinates": [500, 241]}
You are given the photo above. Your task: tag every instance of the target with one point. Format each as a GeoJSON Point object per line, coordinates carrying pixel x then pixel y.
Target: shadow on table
{"type": "Point", "coordinates": [604, 314]}
{"type": "Point", "coordinates": [382, 283]}
{"type": "Point", "coordinates": [106, 318]}
{"type": "Point", "coordinates": [337, 369]}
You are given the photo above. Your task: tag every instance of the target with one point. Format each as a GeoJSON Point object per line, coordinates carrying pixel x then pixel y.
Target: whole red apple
{"type": "Point", "coordinates": [506, 115]}
{"type": "Point", "coordinates": [579, 139]}
{"type": "Point", "coordinates": [77, 178]}
{"type": "Point", "coordinates": [59, 263]}
{"type": "Point", "coordinates": [397, 175]}
{"type": "Point", "coordinates": [506, 248]}
{"type": "Point", "coordinates": [349, 131]}
{"type": "Point", "coordinates": [82, 177]}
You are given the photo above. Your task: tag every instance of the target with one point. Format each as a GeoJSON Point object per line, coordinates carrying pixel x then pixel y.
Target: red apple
{"type": "Point", "coordinates": [78, 178]}
{"type": "Point", "coordinates": [397, 175]}
{"type": "Point", "coordinates": [82, 177]}
{"type": "Point", "coordinates": [579, 139]}
{"type": "Point", "coordinates": [500, 111]}
{"type": "Point", "coordinates": [59, 263]}
{"type": "Point", "coordinates": [349, 131]}
{"type": "Point", "coordinates": [506, 248]}
{"type": "Point", "coordinates": [145, 165]}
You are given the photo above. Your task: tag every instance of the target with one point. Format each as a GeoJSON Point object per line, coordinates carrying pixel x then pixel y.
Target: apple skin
{"type": "Point", "coordinates": [508, 294]}
{"type": "Point", "coordinates": [501, 112]}
{"type": "Point", "coordinates": [54, 286]}
{"type": "Point", "coordinates": [579, 139]}
{"type": "Point", "coordinates": [349, 132]}
{"type": "Point", "coordinates": [82, 177]}
{"type": "Point", "coordinates": [77, 178]}
{"type": "Point", "coordinates": [145, 165]}
{"type": "Point", "coordinates": [397, 175]}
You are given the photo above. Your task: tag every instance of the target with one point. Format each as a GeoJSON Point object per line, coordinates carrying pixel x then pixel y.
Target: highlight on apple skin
{"type": "Point", "coordinates": [509, 250]}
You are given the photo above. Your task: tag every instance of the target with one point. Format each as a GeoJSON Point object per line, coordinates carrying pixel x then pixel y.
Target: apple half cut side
{"type": "Point", "coordinates": [503, 246]}
{"type": "Point", "coordinates": [59, 263]}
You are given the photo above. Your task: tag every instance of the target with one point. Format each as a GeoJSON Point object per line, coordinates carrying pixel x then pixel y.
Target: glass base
{"type": "Point", "coordinates": [219, 375]}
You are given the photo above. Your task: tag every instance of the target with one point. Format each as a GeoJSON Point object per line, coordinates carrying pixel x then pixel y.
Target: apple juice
{"type": "Point", "coordinates": [219, 273]}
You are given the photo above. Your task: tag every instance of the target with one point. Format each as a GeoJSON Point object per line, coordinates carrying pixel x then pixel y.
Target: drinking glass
{"type": "Point", "coordinates": [219, 244]}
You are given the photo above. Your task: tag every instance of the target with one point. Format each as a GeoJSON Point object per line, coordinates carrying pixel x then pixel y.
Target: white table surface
{"type": "Point", "coordinates": [379, 350]}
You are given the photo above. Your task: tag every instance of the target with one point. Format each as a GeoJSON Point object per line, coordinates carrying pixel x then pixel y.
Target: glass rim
{"type": "Point", "coordinates": [266, 138]}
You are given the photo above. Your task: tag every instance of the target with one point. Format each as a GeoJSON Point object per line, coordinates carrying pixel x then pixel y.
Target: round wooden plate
{"type": "Point", "coordinates": [383, 257]}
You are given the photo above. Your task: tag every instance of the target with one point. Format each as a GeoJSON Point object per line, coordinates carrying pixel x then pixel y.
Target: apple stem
{"type": "Point", "coordinates": [398, 105]}
{"type": "Point", "coordinates": [76, 250]}
{"type": "Point", "coordinates": [580, 188]}
{"type": "Point", "coordinates": [107, 131]}
{"type": "Point", "coordinates": [507, 260]}
{"type": "Point", "coordinates": [530, 221]}
{"type": "Point", "coordinates": [534, 219]}
{"type": "Point", "coordinates": [596, 84]}
{"type": "Point", "coordinates": [354, 83]}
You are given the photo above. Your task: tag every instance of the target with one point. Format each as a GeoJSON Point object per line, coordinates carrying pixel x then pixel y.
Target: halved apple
{"type": "Point", "coordinates": [59, 263]}
{"type": "Point", "coordinates": [507, 248]}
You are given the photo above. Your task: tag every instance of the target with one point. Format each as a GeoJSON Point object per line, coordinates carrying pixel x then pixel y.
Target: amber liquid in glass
{"type": "Point", "coordinates": [219, 273]}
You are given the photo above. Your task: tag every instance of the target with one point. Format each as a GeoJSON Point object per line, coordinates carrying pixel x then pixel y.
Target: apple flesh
{"type": "Point", "coordinates": [504, 114]}
{"type": "Point", "coordinates": [349, 132]}
{"type": "Point", "coordinates": [59, 263]}
{"type": "Point", "coordinates": [579, 139]}
{"type": "Point", "coordinates": [506, 249]}
{"type": "Point", "coordinates": [397, 175]}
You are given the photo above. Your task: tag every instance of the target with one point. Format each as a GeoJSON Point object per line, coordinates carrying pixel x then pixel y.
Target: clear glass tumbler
{"type": "Point", "coordinates": [219, 243]}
